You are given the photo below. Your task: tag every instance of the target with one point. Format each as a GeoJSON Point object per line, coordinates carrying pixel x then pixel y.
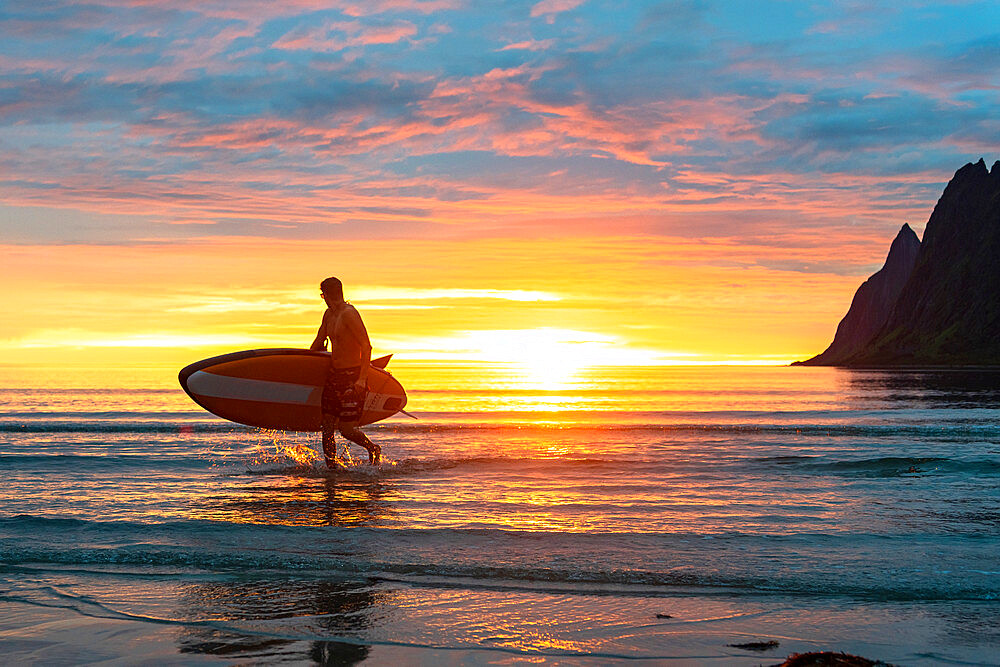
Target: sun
{"type": "Point", "coordinates": [548, 358]}
{"type": "Point", "coordinates": [542, 358]}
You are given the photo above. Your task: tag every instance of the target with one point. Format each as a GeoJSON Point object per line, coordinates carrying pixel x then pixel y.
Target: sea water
{"type": "Point", "coordinates": [662, 514]}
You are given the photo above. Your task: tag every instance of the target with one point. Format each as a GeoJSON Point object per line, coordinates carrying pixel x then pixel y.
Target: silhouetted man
{"type": "Point", "coordinates": [345, 388]}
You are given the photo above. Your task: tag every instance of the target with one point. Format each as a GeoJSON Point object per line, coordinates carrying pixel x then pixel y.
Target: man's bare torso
{"type": "Point", "coordinates": [345, 348]}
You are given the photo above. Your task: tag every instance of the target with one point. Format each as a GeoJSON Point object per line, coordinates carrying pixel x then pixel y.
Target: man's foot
{"type": "Point", "coordinates": [374, 455]}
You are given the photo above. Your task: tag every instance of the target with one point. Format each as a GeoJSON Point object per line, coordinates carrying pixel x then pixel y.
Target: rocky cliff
{"type": "Point", "coordinates": [872, 302]}
{"type": "Point", "coordinates": [948, 311]}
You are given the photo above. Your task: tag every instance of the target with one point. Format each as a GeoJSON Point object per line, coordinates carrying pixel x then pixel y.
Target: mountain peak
{"type": "Point", "coordinates": [873, 301]}
{"type": "Point", "coordinates": [947, 310]}
{"type": "Point", "coordinates": [971, 171]}
{"type": "Point", "coordinates": [905, 235]}
{"type": "Point", "coordinates": [902, 251]}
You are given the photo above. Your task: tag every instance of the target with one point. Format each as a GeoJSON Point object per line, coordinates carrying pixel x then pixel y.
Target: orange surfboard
{"type": "Point", "coordinates": [281, 388]}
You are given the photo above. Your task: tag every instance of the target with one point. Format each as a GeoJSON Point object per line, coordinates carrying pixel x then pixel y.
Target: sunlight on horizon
{"type": "Point", "coordinates": [625, 311]}
{"type": "Point", "coordinates": [542, 357]}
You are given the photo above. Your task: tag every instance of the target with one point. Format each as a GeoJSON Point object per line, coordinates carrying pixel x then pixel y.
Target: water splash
{"type": "Point", "coordinates": [283, 451]}
{"type": "Point", "coordinates": [278, 448]}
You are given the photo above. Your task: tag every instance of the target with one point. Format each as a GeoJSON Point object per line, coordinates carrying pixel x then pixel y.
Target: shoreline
{"type": "Point", "coordinates": [40, 628]}
{"type": "Point", "coordinates": [51, 636]}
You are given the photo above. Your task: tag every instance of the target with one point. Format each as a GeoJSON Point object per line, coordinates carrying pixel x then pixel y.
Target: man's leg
{"type": "Point", "coordinates": [354, 434]}
{"type": "Point", "coordinates": [330, 441]}
{"type": "Point", "coordinates": [352, 405]}
{"type": "Point", "coordinates": [330, 406]}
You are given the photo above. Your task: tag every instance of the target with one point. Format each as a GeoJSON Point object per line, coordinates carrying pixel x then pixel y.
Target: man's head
{"type": "Point", "coordinates": [333, 291]}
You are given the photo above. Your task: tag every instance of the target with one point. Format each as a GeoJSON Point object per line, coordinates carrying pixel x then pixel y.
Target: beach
{"type": "Point", "coordinates": [661, 515]}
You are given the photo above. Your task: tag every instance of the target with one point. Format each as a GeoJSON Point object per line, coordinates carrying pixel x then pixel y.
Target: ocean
{"type": "Point", "coordinates": [662, 515]}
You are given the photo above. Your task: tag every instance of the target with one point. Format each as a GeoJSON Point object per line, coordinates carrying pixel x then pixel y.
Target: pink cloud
{"type": "Point", "coordinates": [326, 166]}
{"type": "Point", "coordinates": [554, 7]}
{"type": "Point", "coordinates": [337, 36]}
{"type": "Point", "coordinates": [257, 11]}
{"type": "Point", "coordinates": [628, 133]}
{"type": "Point", "coordinates": [780, 200]}
{"type": "Point", "coordinates": [306, 166]}
{"type": "Point", "coordinates": [381, 6]}
{"type": "Point", "coordinates": [530, 45]}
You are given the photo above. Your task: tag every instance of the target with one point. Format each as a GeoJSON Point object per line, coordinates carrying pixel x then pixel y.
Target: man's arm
{"type": "Point", "coordinates": [319, 344]}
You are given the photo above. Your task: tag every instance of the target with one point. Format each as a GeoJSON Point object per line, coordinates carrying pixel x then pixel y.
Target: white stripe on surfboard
{"type": "Point", "coordinates": [245, 389]}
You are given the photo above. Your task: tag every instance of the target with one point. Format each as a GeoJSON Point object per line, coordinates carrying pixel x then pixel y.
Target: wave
{"type": "Point", "coordinates": [530, 422]}
{"type": "Point", "coordinates": [121, 427]}
{"type": "Point", "coordinates": [737, 563]}
{"type": "Point", "coordinates": [152, 558]}
{"type": "Point", "coordinates": [83, 415]}
{"type": "Point", "coordinates": [43, 522]}
{"type": "Point", "coordinates": [264, 460]}
{"type": "Point", "coordinates": [268, 461]}
{"type": "Point", "coordinates": [103, 392]}
{"type": "Point", "coordinates": [888, 466]}
{"type": "Point", "coordinates": [57, 462]}
{"type": "Point", "coordinates": [415, 466]}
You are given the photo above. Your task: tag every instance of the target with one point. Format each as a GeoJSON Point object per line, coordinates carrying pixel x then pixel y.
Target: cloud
{"type": "Point", "coordinates": [81, 338]}
{"type": "Point", "coordinates": [847, 123]}
{"type": "Point", "coordinates": [400, 119]}
{"type": "Point", "coordinates": [261, 10]}
{"type": "Point", "coordinates": [530, 45]}
{"type": "Point", "coordinates": [550, 7]}
{"type": "Point", "coordinates": [376, 294]}
{"type": "Point", "coordinates": [337, 36]}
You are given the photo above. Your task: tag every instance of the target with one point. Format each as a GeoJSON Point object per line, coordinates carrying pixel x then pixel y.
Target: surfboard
{"type": "Point", "coordinates": [281, 388]}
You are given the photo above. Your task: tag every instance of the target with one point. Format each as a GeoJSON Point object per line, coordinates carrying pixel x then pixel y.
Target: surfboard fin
{"type": "Point", "coordinates": [409, 415]}
{"type": "Point", "coordinates": [381, 362]}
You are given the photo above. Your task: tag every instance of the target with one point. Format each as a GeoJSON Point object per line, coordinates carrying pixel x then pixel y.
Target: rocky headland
{"type": "Point", "coordinates": [935, 302]}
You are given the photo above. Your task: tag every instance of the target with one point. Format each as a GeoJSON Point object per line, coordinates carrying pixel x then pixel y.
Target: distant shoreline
{"type": "Point", "coordinates": [905, 367]}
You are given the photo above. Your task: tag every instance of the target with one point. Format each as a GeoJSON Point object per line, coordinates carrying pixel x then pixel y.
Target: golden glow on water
{"type": "Point", "coordinates": [497, 525]}
{"type": "Point", "coordinates": [494, 447]}
{"type": "Point", "coordinates": [549, 392]}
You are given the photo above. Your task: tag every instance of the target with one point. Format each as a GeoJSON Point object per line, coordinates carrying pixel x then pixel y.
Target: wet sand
{"type": "Point", "coordinates": [701, 633]}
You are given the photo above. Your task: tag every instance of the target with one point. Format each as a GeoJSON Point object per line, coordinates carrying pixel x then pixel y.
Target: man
{"type": "Point", "coordinates": [345, 388]}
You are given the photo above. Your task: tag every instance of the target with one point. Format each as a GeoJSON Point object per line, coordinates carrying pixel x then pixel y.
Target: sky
{"type": "Point", "coordinates": [577, 181]}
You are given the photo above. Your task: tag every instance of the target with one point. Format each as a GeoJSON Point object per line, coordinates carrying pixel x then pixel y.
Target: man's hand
{"type": "Point", "coordinates": [319, 343]}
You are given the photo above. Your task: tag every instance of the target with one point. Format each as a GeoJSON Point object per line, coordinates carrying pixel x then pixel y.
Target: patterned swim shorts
{"type": "Point", "coordinates": [341, 399]}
